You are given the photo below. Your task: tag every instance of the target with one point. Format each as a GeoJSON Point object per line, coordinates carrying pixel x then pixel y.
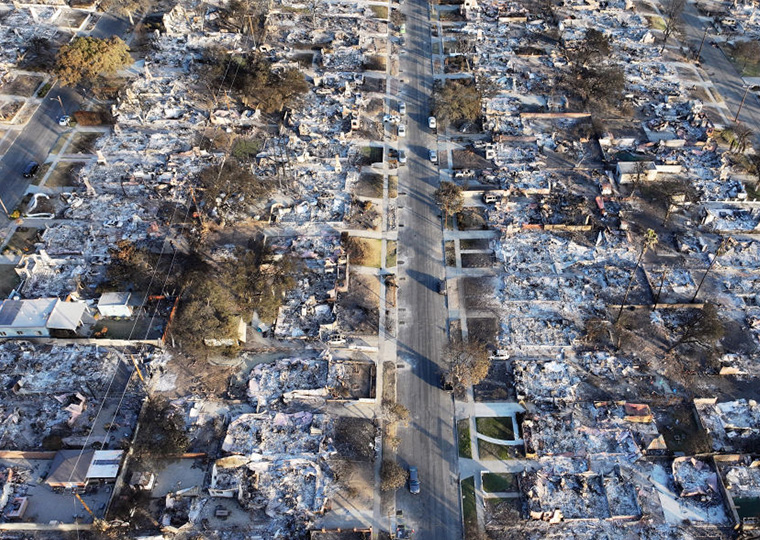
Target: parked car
{"type": "Point", "coordinates": [31, 169]}
{"type": "Point", "coordinates": [401, 130]}
{"type": "Point", "coordinates": [64, 120]}
{"type": "Point", "coordinates": [434, 156]}
{"type": "Point", "coordinates": [442, 287]}
{"type": "Point", "coordinates": [402, 157]}
{"type": "Point", "coordinates": [402, 108]}
{"type": "Point", "coordinates": [432, 123]}
{"type": "Point", "coordinates": [414, 481]}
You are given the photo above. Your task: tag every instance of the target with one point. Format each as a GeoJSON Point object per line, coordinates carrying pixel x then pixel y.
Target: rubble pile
{"type": "Point", "coordinates": [571, 193]}
{"type": "Point", "coordinates": [733, 426]}
{"type": "Point", "coordinates": [309, 308]}
{"type": "Point", "coordinates": [57, 389]}
{"type": "Point", "coordinates": [277, 434]}
{"type": "Point", "coordinates": [287, 380]}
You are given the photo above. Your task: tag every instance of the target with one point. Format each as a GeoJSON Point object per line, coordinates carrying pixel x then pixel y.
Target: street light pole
{"type": "Point", "coordinates": [60, 102]}
{"type": "Point", "coordinates": [744, 97]}
{"type": "Point", "coordinates": [699, 52]}
{"type": "Point", "coordinates": [5, 209]}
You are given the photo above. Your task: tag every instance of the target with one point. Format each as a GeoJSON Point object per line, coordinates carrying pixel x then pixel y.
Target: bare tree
{"type": "Point", "coordinates": [466, 47]}
{"type": "Point", "coordinates": [705, 328]}
{"type": "Point", "coordinates": [650, 240]}
{"type": "Point", "coordinates": [747, 51]}
{"type": "Point", "coordinates": [449, 198]}
{"type": "Point", "coordinates": [392, 475]}
{"type": "Point", "coordinates": [640, 168]}
{"type": "Point", "coordinates": [671, 13]}
{"type": "Point", "coordinates": [468, 363]}
{"type": "Point", "coordinates": [742, 138]}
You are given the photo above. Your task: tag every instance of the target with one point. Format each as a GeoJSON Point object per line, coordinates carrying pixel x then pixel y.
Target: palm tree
{"type": "Point", "coordinates": [650, 240]}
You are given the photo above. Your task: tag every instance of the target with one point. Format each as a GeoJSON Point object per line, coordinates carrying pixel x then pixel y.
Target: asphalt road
{"type": "Point", "coordinates": [428, 442]}
{"type": "Point", "coordinates": [722, 73]}
{"type": "Point", "coordinates": [42, 131]}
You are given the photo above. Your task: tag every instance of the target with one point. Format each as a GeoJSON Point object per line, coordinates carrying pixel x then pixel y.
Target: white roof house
{"type": "Point", "coordinates": [115, 304]}
{"type": "Point", "coordinates": [104, 465]}
{"type": "Point", "coordinates": [37, 317]}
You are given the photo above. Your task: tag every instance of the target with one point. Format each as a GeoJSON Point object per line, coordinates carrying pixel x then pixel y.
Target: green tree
{"type": "Point", "coordinates": [747, 51]}
{"type": "Point", "coordinates": [467, 363]}
{"type": "Point", "coordinates": [649, 242]}
{"type": "Point", "coordinates": [457, 102]}
{"type": "Point", "coordinates": [207, 310]}
{"type": "Point", "coordinates": [259, 280]}
{"type": "Point", "coordinates": [601, 84]}
{"type": "Point", "coordinates": [230, 179]}
{"type": "Point", "coordinates": [85, 58]}
{"type": "Point", "coordinates": [253, 80]}
{"type": "Point", "coordinates": [594, 46]}
{"type": "Point", "coordinates": [161, 430]}
{"type": "Point", "coordinates": [449, 198]}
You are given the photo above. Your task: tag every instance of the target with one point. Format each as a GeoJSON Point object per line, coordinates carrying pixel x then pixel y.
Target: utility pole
{"type": "Point", "coordinates": [744, 97]}
{"type": "Point", "coordinates": [700, 44]}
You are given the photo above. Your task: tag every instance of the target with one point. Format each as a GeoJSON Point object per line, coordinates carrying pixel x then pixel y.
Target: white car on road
{"type": "Point", "coordinates": [432, 124]}
{"type": "Point", "coordinates": [401, 130]}
{"type": "Point", "coordinates": [434, 156]}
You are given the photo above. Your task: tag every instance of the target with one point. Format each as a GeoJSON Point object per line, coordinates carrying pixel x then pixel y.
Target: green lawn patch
{"type": "Point", "coordinates": [391, 253]}
{"type": "Point", "coordinates": [499, 482]}
{"type": "Point", "coordinates": [246, 148]}
{"type": "Point", "coordinates": [656, 22]}
{"type": "Point", "coordinates": [488, 450]}
{"type": "Point", "coordinates": [468, 508]}
{"type": "Point", "coordinates": [498, 427]}
{"type": "Point", "coordinates": [463, 435]}
{"type": "Point", "coordinates": [370, 155]}
{"type": "Point", "coordinates": [381, 12]}
{"type": "Point", "coordinates": [42, 92]}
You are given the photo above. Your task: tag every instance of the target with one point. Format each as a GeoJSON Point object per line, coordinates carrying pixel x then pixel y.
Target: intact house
{"type": "Point", "coordinates": [43, 317]}
{"type": "Point", "coordinates": [115, 304]}
{"type": "Point", "coordinates": [75, 469]}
